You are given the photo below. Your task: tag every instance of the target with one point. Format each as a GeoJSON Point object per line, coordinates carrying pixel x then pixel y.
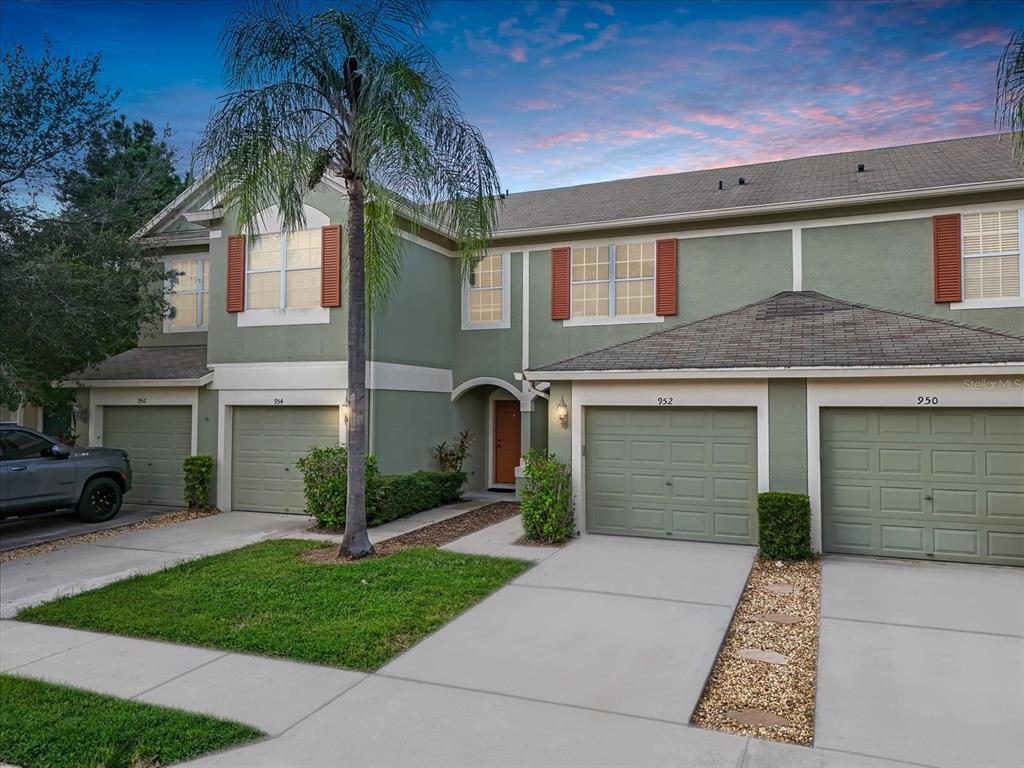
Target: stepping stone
{"type": "Point", "coordinates": [778, 618]}
{"type": "Point", "coordinates": [780, 589]}
{"type": "Point", "coordinates": [756, 654]}
{"type": "Point", "coordinates": [756, 717]}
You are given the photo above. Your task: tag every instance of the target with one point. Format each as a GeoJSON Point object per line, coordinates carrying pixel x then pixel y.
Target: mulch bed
{"type": "Point", "coordinates": [433, 535]}
{"type": "Point", "coordinates": [777, 614]}
{"type": "Point", "coordinates": [158, 521]}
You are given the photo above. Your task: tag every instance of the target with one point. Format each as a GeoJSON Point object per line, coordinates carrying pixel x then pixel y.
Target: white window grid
{"type": "Point", "coordinates": [201, 264]}
{"type": "Point", "coordinates": [305, 242]}
{"type": "Point", "coordinates": [486, 279]}
{"type": "Point", "coordinates": [1005, 231]}
{"type": "Point", "coordinates": [633, 276]}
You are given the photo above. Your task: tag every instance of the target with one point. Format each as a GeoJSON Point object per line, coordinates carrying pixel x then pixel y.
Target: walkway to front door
{"type": "Point", "coordinates": [506, 441]}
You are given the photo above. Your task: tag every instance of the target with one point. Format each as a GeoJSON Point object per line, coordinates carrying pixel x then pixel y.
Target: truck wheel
{"type": "Point", "coordinates": [101, 500]}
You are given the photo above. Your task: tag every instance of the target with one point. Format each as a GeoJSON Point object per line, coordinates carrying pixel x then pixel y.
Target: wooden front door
{"type": "Point", "coordinates": [506, 440]}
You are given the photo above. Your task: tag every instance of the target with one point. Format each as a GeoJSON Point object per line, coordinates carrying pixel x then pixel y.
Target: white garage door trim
{"type": "Point", "coordinates": [140, 397]}
{"type": "Point", "coordinates": [952, 392]}
{"type": "Point", "coordinates": [229, 398]}
{"type": "Point", "coordinates": [705, 394]}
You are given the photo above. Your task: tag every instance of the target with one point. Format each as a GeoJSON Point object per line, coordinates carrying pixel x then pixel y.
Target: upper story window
{"type": "Point", "coordinates": [485, 297]}
{"type": "Point", "coordinates": [283, 270]}
{"type": "Point", "coordinates": [190, 295]}
{"type": "Point", "coordinates": [610, 281]}
{"type": "Point", "coordinates": [991, 255]}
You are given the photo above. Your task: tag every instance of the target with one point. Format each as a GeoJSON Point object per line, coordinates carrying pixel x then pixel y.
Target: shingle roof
{"type": "Point", "coordinates": [821, 177]}
{"type": "Point", "coordinates": [156, 363]}
{"type": "Point", "coordinates": [798, 329]}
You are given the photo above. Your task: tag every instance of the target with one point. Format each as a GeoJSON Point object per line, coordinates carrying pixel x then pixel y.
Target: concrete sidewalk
{"type": "Point", "coordinates": [80, 567]}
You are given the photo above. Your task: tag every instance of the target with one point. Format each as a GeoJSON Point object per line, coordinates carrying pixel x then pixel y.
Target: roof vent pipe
{"type": "Point", "coordinates": [742, 181]}
{"type": "Point", "coordinates": [860, 168]}
{"type": "Point", "coordinates": [719, 183]}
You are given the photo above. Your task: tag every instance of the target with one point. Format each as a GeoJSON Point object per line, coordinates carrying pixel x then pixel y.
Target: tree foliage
{"type": "Point", "coordinates": [350, 94]}
{"type": "Point", "coordinates": [1010, 92]}
{"type": "Point", "coordinates": [74, 287]}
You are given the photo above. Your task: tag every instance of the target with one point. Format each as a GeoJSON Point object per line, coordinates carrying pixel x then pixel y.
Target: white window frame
{"type": "Point", "coordinates": [506, 299]}
{"type": "Point", "coordinates": [611, 318]}
{"type": "Point", "coordinates": [269, 223]}
{"type": "Point", "coordinates": [203, 322]}
{"type": "Point", "coordinates": [1004, 301]}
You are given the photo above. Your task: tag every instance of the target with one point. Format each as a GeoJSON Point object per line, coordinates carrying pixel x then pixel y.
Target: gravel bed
{"type": "Point", "coordinates": [158, 521]}
{"type": "Point", "coordinates": [737, 684]}
{"type": "Point", "coordinates": [433, 535]}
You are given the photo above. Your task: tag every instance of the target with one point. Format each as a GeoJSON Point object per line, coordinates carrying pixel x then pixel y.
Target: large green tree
{"type": "Point", "coordinates": [349, 91]}
{"type": "Point", "coordinates": [74, 186]}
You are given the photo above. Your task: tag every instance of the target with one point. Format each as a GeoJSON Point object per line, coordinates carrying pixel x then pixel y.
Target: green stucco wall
{"type": "Point", "coordinates": [787, 435]}
{"type": "Point", "coordinates": [888, 265]}
{"type": "Point", "coordinates": [538, 425]}
{"type": "Point", "coordinates": [716, 274]}
{"type": "Point", "coordinates": [230, 344]}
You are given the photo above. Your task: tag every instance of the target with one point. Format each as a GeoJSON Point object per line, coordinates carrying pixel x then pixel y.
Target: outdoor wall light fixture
{"type": "Point", "coordinates": [345, 411]}
{"type": "Point", "coordinates": [563, 413]}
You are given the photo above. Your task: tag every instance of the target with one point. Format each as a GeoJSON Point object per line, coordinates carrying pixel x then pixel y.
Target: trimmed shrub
{"type": "Point", "coordinates": [546, 498]}
{"type": "Point", "coordinates": [198, 471]}
{"type": "Point", "coordinates": [784, 526]}
{"type": "Point", "coordinates": [325, 476]}
{"type": "Point", "coordinates": [401, 495]}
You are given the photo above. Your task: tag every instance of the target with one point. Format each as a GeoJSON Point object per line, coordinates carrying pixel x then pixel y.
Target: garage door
{"type": "Point", "coordinates": [937, 484]}
{"type": "Point", "coordinates": [157, 438]}
{"type": "Point", "coordinates": [265, 444]}
{"type": "Point", "coordinates": [685, 473]}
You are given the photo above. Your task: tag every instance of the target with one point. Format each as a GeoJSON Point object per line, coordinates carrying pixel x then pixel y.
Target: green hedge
{"type": "Point", "coordinates": [546, 498]}
{"type": "Point", "coordinates": [784, 526]}
{"type": "Point", "coordinates": [388, 497]}
{"type": "Point", "coordinates": [198, 471]}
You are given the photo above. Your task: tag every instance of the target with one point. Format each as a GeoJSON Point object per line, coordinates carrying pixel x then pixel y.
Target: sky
{"type": "Point", "coordinates": [574, 92]}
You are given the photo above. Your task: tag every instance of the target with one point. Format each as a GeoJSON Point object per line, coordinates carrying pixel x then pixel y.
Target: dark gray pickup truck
{"type": "Point", "coordinates": [38, 474]}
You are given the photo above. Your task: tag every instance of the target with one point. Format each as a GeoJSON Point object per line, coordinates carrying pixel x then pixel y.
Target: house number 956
{"type": "Point", "coordinates": [927, 400]}
{"type": "Point", "coordinates": [664, 401]}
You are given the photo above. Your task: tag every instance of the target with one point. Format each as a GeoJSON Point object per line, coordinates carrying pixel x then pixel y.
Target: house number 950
{"type": "Point", "coordinates": [927, 400]}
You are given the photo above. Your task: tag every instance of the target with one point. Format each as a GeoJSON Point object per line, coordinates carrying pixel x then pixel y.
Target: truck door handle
{"type": "Point", "coordinates": [18, 469]}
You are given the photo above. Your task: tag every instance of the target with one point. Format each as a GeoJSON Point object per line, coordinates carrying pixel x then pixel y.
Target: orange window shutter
{"type": "Point", "coordinates": [236, 273]}
{"type": "Point", "coordinates": [560, 284]}
{"type": "Point", "coordinates": [330, 261]}
{"type": "Point", "coordinates": [946, 241]}
{"type": "Point", "coordinates": [665, 283]}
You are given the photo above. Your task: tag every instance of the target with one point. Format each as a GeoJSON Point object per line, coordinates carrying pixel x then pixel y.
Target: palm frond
{"type": "Point", "coordinates": [1010, 92]}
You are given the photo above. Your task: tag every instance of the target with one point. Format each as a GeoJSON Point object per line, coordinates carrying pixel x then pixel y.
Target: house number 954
{"type": "Point", "coordinates": [927, 400]}
{"type": "Point", "coordinates": [664, 401]}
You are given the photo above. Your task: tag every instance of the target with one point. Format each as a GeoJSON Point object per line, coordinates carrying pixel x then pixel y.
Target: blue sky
{"type": "Point", "coordinates": [569, 92]}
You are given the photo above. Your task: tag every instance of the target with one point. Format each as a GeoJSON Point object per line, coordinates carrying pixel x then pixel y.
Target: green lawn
{"type": "Point", "coordinates": [43, 725]}
{"type": "Point", "coordinates": [265, 599]}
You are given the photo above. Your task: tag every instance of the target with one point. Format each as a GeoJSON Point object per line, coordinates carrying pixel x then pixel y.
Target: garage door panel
{"type": "Point", "coordinates": [157, 439]}
{"type": "Point", "coordinates": [266, 443]}
{"type": "Point", "coordinates": [687, 472]}
{"type": "Point", "coordinates": [952, 491]}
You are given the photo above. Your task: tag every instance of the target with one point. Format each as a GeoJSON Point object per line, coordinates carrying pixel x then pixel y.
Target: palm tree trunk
{"type": "Point", "coordinates": [356, 542]}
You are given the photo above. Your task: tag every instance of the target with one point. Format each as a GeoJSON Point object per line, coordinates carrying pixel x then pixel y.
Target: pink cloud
{"type": "Point", "coordinates": [849, 88]}
{"type": "Point", "coordinates": [715, 118]}
{"type": "Point", "coordinates": [538, 105]}
{"type": "Point", "coordinates": [971, 38]}
{"type": "Point", "coordinates": [517, 53]}
{"type": "Point", "coordinates": [561, 139]}
{"type": "Point", "coordinates": [606, 8]}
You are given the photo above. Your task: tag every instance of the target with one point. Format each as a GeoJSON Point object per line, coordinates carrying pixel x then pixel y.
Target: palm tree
{"type": "Point", "coordinates": [1010, 92]}
{"type": "Point", "coordinates": [350, 92]}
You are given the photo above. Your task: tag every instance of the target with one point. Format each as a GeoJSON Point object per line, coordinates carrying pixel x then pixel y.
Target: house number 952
{"type": "Point", "coordinates": [927, 400]}
{"type": "Point", "coordinates": [664, 401]}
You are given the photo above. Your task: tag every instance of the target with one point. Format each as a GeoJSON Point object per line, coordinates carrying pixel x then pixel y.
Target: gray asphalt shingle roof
{"type": "Point", "coordinates": [799, 329]}
{"type": "Point", "coordinates": [184, 362]}
{"type": "Point", "coordinates": [821, 177]}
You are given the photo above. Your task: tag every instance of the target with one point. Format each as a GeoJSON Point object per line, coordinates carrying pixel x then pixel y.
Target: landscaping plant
{"type": "Point", "coordinates": [546, 498]}
{"type": "Point", "coordinates": [784, 526]}
{"type": "Point", "coordinates": [198, 481]}
{"type": "Point", "coordinates": [350, 92]}
{"type": "Point", "coordinates": [325, 477]}
{"type": "Point", "coordinates": [401, 495]}
{"type": "Point", "coordinates": [451, 457]}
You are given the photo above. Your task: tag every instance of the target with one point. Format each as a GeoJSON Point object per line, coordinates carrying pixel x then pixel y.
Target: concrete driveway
{"type": "Point", "coordinates": [597, 656]}
{"type": "Point", "coordinates": [922, 662]}
{"type": "Point", "coordinates": [39, 529]}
